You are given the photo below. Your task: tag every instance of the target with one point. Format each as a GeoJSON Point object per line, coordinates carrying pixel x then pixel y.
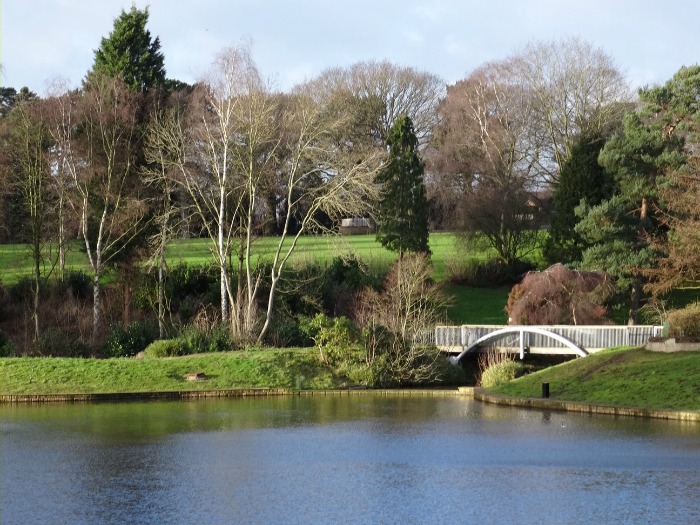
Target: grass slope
{"type": "Point", "coordinates": [285, 368]}
{"type": "Point", "coordinates": [619, 376]}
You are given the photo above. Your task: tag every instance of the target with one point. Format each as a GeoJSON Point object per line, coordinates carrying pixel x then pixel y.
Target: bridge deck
{"type": "Point", "coordinates": [548, 339]}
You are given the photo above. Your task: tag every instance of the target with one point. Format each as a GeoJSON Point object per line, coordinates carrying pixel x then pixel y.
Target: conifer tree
{"type": "Point", "coordinates": [403, 204]}
{"type": "Point", "coordinates": [130, 53]}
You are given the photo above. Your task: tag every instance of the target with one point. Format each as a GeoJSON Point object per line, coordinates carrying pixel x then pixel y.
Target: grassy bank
{"type": "Point", "coordinates": [284, 368]}
{"type": "Point", "coordinates": [619, 376]}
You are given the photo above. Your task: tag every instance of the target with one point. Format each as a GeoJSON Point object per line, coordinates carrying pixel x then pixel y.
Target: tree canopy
{"type": "Point", "coordinates": [130, 53]}
{"type": "Point", "coordinates": [403, 204]}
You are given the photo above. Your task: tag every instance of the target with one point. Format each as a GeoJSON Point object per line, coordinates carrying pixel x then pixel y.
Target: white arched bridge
{"type": "Point", "coordinates": [555, 339]}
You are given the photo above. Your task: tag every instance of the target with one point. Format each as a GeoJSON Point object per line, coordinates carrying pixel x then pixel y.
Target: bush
{"type": "Point", "coordinates": [78, 283]}
{"type": "Point", "coordinates": [164, 348]}
{"type": "Point", "coordinates": [685, 322]}
{"type": "Point", "coordinates": [334, 337]}
{"type": "Point", "coordinates": [493, 272]}
{"type": "Point", "coordinates": [558, 295]}
{"type": "Point", "coordinates": [128, 341]}
{"type": "Point", "coordinates": [501, 373]}
{"type": "Point", "coordinates": [56, 343]}
{"type": "Point", "coordinates": [199, 340]}
{"type": "Point", "coordinates": [7, 347]}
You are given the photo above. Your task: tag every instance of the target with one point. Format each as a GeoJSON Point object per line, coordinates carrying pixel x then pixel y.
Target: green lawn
{"type": "Point", "coordinates": [15, 259]}
{"type": "Point", "coordinates": [619, 376]}
{"type": "Point", "coordinates": [271, 368]}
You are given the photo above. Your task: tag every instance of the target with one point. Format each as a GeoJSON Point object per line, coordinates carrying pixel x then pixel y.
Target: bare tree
{"type": "Point", "coordinates": [398, 90]}
{"type": "Point", "coordinates": [679, 261]}
{"type": "Point", "coordinates": [112, 212]}
{"type": "Point", "coordinates": [409, 305]}
{"type": "Point", "coordinates": [482, 160]}
{"type": "Point", "coordinates": [237, 142]}
{"type": "Point", "coordinates": [28, 145]}
{"type": "Point", "coordinates": [61, 119]}
{"type": "Point", "coordinates": [576, 90]}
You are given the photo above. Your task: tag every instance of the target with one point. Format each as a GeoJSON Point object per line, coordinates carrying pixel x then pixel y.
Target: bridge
{"type": "Point", "coordinates": [555, 339]}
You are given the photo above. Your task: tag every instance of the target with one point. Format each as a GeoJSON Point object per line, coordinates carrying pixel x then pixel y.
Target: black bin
{"type": "Point", "coordinates": [545, 389]}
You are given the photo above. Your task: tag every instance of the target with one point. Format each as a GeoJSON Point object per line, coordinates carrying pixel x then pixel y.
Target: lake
{"type": "Point", "coordinates": [364, 458]}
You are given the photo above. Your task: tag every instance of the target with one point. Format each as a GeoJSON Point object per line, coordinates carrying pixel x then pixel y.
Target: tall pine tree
{"type": "Point", "coordinates": [403, 204]}
{"type": "Point", "coordinates": [130, 53]}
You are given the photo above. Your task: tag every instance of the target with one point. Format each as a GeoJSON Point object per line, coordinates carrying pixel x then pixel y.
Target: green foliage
{"type": "Point", "coordinates": [334, 337]}
{"type": "Point", "coordinates": [685, 322]}
{"type": "Point", "coordinates": [198, 340]}
{"type": "Point", "coordinates": [130, 53]}
{"type": "Point", "coordinates": [483, 274]}
{"type": "Point", "coordinates": [501, 373]}
{"type": "Point", "coordinates": [7, 347]}
{"type": "Point", "coordinates": [128, 341]}
{"type": "Point", "coordinates": [56, 343]}
{"type": "Point", "coordinates": [164, 348]}
{"type": "Point", "coordinates": [403, 205]}
{"type": "Point", "coordinates": [580, 178]}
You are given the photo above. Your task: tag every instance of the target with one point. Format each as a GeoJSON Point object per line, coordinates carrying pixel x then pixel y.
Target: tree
{"type": "Point", "coordinates": [581, 178]}
{"type": "Point", "coordinates": [678, 263]}
{"type": "Point", "coordinates": [403, 204]}
{"type": "Point", "coordinates": [482, 161]}
{"type": "Point", "coordinates": [558, 295]}
{"type": "Point", "coordinates": [654, 141]}
{"type": "Point", "coordinates": [392, 91]}
{"type": "Point", "coordinates": [394, 319]}
{"type": "Point", "coordinates": [576, 90]}
{"type": "Point", "coordinates": [235, 139]}
{"type": "Point", "coordinates": [101, 162]}
{"type": "Point", "coordinates": [29, 143]}
{"type": "Point", "coordinates": [130, 53]}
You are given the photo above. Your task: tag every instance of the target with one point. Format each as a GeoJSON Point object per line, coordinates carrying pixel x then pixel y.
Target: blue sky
{"type": "Point", "coordinates": [293, 41]}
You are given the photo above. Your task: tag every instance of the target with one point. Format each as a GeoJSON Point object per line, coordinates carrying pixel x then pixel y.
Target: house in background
{"type": "Point", "coordinates": [355, 226]}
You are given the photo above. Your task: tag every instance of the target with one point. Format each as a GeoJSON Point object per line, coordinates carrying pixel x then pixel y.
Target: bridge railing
{"type": "Point", "coordinates": [592, 338]}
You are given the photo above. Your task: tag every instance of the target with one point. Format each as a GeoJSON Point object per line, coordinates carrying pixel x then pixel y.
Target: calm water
{"type": "Point", "coordinates": [359, 459]}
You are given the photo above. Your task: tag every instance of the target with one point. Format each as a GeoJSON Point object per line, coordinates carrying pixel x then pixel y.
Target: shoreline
{"type": "Point", "coordinates": [477, 393]}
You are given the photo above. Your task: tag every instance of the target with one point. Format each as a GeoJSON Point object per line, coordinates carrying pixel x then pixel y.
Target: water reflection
{"type": "Point", "coordinates": [353, 459]}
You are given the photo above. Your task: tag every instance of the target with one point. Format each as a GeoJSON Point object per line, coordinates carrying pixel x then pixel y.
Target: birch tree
{"type": "Point", "coordinates": [111, 210]}
{"type": "Point", "coordinates": [238, 138]}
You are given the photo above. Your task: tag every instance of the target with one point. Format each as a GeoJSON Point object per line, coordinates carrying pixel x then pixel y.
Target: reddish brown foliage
{"type": "Point", "coordinates": [560, 296]}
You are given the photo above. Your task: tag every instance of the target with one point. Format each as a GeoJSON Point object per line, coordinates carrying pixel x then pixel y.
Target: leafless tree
{"type": "Point", "coordinates": [409, 305]}
{"type": "Point", "coordinates": [576, 89]}
{"type": "Point", "coordinates": [111, 209]}
{"type": "Point", "coordinates": [61, 118]}
{"type": "Point", "coordinates": [677, 244]}
{"type": "Point", "coordinates": [482, 160]}
{"type": "Point", "coordinates": [237, 142]}
{"type": "Point", "coordinates": [397, 90]}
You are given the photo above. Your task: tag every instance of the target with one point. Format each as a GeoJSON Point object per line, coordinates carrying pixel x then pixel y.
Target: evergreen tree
{"type": "Point", "coordinates": [654, 141]}
{"type": "Point", "coordinates": [403, 204]}
{"type": "Point", "coordinates": [581, 178]}
{"type": "Point", "coordinates": [130, 53]}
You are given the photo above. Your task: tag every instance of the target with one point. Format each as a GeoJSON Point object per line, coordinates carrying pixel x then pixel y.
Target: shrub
{"type": "Point", "coordinates": [127, 341]}
{"type": "Point", "coordinates": [7, 347]}
{"type": "Point", "coordinates": [55, 343]}
{"type": "Point", "coordinates": [558, 295]}
{"type": "Point", "coordinates": [78, 283]}
{"type": "Point", "coordinates": [164, 348]}
{"type": "Point", "coordinates": [198, 339]}
{"type": "Point", "coordinates": [494, 272]}
{"type": "Point", "coordinates": [685, 322]}
{"type": "Point", "coordinates": [500, 373]}
{"type": "Point", "coordinates": [334, 337]}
